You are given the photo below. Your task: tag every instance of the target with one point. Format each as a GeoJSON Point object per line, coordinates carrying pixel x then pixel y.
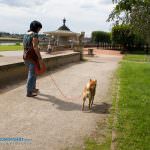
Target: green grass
{"type": "Point", "coordinates": [8, 38]}
{"type": "Point", "coordinates": [133, 125]}
{"type": "Point", "coordinates": [137, 57]}
{"type": "Point", "coordinates": [91, 144]}
{"type": "Point", "coordinates": [11, 47]}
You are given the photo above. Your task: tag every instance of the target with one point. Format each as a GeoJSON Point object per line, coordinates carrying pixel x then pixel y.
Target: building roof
{"type": "Point", "coordinates": [62, 31]}
{"type": "Point", "coordinates": [64, 27]}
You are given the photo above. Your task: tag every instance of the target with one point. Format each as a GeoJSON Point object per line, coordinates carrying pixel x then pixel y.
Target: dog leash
{"type": "Point", "coordinates": [56, 85]}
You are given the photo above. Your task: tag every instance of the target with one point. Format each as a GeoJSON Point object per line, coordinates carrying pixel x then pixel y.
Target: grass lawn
{"type": "Point", "coordinates": [8, 38]}
{"type": "Point", "coordinates": [138, 58]}
{"type": "Point", "coordinates": [11, 47]}
{"type": "Point", "coordinates": [91, 144]}
{"type": "Point", "coordinates": [133, 116]}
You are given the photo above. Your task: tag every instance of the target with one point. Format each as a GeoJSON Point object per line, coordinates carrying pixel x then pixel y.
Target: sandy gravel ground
{"type": "Point", "coordinates": [51, 121]}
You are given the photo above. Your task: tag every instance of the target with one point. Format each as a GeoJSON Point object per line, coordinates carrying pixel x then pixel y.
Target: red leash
{"type": "Point", "coordinates": [42, 70]}
{"type": "Point", "coordinates": [68, 98]}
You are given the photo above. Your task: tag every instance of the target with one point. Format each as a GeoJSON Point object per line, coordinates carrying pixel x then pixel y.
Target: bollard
{"type": "Point", "coordinates": [90, 51]}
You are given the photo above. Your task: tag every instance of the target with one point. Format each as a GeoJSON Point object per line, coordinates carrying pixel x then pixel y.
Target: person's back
{"type": "Point", "coordinates": [27, 39]}
{"type": "Point", "coordinates": [29, 53]}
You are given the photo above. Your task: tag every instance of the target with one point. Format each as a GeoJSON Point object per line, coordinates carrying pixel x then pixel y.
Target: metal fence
{"type": "Point", "coordinates": [110, 46]}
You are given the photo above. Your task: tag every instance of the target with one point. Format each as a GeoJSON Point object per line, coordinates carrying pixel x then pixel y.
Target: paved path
{"type": "Point", "coordinates": [100, 51]}
{"type": "Point", "coordinates": [50, 120]}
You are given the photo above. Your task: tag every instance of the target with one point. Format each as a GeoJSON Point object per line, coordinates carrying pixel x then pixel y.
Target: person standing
{"type": "Point", "coordinates": [49, 48]}
{"type": "Point", "coordinates": [32, 56]}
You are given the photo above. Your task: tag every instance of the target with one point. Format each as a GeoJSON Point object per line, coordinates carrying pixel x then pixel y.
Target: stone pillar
{"type": "Point", "coordinates": [78, 47]}
{"type": "Point", "coordinates": [81, 44]}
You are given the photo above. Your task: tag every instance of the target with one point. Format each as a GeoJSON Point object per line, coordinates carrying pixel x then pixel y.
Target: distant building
{"type": "Point", "coordinates": [87, 40]}
{"type": "Point", "coordinates": [63, 35]}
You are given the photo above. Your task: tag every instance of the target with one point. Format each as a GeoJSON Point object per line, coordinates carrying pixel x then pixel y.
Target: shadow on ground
{"type": "Point", "coordinates": [70, 106]}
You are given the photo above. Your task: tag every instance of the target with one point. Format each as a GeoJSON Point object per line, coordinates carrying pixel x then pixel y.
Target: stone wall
{"type": "Point", "coordinates": [13, 73]}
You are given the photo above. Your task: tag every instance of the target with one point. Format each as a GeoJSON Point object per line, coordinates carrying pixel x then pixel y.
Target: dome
{"type": "Point", "coordinates": [64, 27]}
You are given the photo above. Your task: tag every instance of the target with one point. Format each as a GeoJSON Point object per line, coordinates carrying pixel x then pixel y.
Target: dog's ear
{"type": "Point", "coordinates": [90, 80]}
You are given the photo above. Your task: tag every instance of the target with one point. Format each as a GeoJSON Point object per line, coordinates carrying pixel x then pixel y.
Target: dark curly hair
{"type": "Point", "coordinates": [35, 25]}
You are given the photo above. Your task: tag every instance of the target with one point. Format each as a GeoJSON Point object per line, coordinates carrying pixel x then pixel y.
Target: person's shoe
{"type": "Point", "coordinates": [31, 94]}
{"type": "Point", "coordinates": [36, 90]}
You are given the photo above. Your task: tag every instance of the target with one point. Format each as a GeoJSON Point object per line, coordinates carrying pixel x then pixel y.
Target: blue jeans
{"type": "Point", "coordinates": [31, 81]}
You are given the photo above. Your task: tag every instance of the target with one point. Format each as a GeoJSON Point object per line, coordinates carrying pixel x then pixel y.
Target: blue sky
{"type": "Point", "coordinates": [81, 15]}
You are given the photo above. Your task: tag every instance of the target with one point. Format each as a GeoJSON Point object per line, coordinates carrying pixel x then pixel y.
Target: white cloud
{"type": "Point", "coordinates": [83, 15]}
{"type": "Point", "coordinates": [22, 3]}
{"type": "Point", "coordinates": [105, 1]}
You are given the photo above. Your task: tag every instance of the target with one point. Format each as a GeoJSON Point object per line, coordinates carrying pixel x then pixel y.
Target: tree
{"type": "Point", "coordinates": [101, 36]}
{"type": "Point", "coordinates": [133, 12]}
{"type": "Point", "coordinates": [121, 34]}
{"type": "Point", "coordinates": [125, 36]}
{"type": "Point", "coordinates": [140, 20]}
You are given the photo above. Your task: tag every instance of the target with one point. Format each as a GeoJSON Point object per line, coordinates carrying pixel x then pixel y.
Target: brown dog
{"type": "Point", "coordinates": [89, 92]}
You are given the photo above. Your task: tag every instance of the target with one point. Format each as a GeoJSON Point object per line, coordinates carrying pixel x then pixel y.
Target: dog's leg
{"type": "Point", "coordinates": [93, 97]}
{"type": "Point", "coordinates": [90, 100]}
{"type": "Point", "coordinates": [83, 103]}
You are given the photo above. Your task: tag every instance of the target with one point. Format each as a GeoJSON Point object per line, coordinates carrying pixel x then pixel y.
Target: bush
{"type": "Point", "coordinates": [125, 36]}
{"type": "Point", "coordinates": [18, 44]}
{"type": "Point", "coordinates": [101, 36]}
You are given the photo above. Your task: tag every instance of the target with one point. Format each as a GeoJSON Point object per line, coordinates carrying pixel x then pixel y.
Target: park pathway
{"type": "Point", "coordinates": [51, 121]}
